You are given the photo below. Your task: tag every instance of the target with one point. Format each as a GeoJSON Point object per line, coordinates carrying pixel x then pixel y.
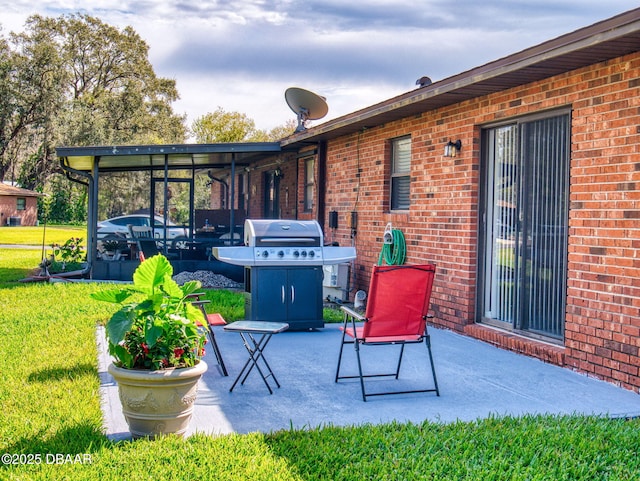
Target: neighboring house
{"type": "Point", "coordinates": [18, 206]}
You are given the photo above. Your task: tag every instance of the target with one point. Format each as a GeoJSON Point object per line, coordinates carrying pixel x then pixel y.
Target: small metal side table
{"type": "Point", "coordinates": [255, 348]}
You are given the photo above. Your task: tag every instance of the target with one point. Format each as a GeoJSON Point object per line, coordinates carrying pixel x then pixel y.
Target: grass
{"type": "Point", "coordinates": [17, 264]}
{"type": "Point", "coordinates": [230, 305]}
{"type": "Point", "coordinates": [49, 393]}
{"type": "Point", "coordinates": [32, 236]}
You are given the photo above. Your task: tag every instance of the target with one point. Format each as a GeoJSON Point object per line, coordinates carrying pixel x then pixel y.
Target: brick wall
{"type": "Point", "coordinates": [603, 299]}
{"type": "Point", "coordinates": [288, 187]}
{"type": "Point", "coordinates": [603, 312]}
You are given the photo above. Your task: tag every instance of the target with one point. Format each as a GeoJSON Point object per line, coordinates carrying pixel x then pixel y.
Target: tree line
{"type": "Point", "coordinates": [77, 81]}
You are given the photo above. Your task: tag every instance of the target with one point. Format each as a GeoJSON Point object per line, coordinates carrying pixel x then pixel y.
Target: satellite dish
{"type": "Point", "coordinates": [306, 105]}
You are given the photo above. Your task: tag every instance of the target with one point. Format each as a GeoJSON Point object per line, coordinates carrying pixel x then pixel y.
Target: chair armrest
{"type": "Point", "coordinates": [195, 295]}
{"type": "Point", "coordinates": [195, 299]}
{"type": "Point", "coordinates": [200, 302]}
{"type": "Point", "coordinates": [352, 313]}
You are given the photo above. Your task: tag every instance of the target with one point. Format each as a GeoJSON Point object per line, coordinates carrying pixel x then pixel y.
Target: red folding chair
{"type": "Point", "coordinates": [396, 313]}
{"type": "Point", "coordinates": [213, 320]}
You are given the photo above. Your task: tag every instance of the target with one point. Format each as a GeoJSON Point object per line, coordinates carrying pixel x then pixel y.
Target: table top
{"type": "Point", "coordinates": [260, 327]}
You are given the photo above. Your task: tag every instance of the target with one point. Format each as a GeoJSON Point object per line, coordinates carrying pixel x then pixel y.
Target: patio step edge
{"type": "Point", "coordinates": [523, 345]}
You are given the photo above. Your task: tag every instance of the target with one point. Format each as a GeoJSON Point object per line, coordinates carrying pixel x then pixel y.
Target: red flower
{"type": "Point", "coordinates": [145, 348]}
{"type": "Point", "coordinates": [177, 352]}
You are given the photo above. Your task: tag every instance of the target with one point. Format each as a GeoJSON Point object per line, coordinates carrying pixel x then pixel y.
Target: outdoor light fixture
{"type": "Point", "coordinates": [451, 149]}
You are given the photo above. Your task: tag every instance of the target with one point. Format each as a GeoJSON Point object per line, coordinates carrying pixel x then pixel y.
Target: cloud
{"type": "Point", "coordinates": [242, 55]}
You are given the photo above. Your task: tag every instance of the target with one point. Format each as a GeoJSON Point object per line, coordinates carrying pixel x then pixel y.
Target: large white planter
{"type": "Point", "coordinates": [158, 402]}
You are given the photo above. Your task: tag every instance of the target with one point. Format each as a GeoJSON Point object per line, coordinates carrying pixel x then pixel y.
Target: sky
{"type": "Point", "coordinates": [242, 55]}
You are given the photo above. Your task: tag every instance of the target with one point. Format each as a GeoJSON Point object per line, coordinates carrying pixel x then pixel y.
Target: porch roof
{"type": "Point", "coordinates": [611, 38]}
{"type": "Point", "coordinates": [152, 157]}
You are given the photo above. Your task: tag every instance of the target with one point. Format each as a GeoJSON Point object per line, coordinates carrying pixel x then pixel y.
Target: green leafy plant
{"type": "Point", "coordinates": [70, 251]}
{"type": "Point", "coordinates": [159, 331]}
{"type": "Point", "coordinates": [67, 256]}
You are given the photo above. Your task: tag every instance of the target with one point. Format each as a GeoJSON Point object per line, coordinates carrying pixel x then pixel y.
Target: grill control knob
{"type": "Point", "coordinates": [265, 253]}
{"type": "Point", "coordinates": [312, 253]}
{"type": "Point", "coordinates": [304, 253]}
{"type": "Point", "coordinates": [296, 254]}
{"type": "Point", "coordinates": [280, 253]}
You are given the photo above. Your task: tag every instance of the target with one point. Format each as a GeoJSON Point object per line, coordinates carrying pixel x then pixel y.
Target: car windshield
{"type": "Point", "coordinates": [124, 221]}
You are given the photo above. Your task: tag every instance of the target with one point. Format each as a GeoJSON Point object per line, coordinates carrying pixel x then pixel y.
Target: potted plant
{"type": "Point", "coordinates": [157, 343]}
{"type": "Point", "coordinates": [111, 247]}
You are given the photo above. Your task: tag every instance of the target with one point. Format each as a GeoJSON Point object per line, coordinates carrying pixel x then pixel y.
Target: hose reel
{"type": "Point", "coordinates": [394, 249]}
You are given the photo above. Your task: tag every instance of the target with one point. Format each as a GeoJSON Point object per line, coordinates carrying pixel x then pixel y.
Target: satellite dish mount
{"type": "Point", "coordinates": [306, 105]}
{"type": "Point", "coordinates": [303, 116]}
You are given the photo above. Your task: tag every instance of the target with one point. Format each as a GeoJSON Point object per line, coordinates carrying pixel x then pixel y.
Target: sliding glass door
{"type": "Point", "coordinates": [525, 219]}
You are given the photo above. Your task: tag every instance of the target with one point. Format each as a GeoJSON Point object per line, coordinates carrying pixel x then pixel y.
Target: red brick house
{"type": "Point", "coordinates": [18, 206]}
{"type": "Point", "coordinates": [519, 179]}
{"type": "Point", "coordinates": [533, 222]}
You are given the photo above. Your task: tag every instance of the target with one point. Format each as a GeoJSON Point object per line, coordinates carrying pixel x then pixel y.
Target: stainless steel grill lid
{"type": "Point", "coordinates": [269, 232]}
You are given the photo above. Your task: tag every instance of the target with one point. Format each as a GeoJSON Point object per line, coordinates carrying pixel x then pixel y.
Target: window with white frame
{"type": "Point", "coordinates": [400, 173]}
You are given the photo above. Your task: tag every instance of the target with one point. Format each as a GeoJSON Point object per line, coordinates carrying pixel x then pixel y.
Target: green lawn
{"type": "Point", "coordinates": [50, 408]}
{"type": "Point", "coordinates": [28, 235]}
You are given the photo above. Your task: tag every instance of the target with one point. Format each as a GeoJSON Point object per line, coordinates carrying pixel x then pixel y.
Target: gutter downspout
{"type": "Point", "coordinates": [322, 177]}
{"type": "Point", "coordinates": [224, 184]}
{"type": "Point", "coordinates": [232, 204]}
{"type": "Point", "coordinates": [92, 213]}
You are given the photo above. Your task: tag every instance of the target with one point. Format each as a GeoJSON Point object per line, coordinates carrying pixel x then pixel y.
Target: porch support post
{"type": "Point", "coordinates": [166, 205]}
{"type": "Point", "coordinates": [232, 194]}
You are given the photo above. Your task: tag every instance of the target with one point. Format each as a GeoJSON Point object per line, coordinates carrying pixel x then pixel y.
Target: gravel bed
{"type": "Point", "coordinates": [208, 279]}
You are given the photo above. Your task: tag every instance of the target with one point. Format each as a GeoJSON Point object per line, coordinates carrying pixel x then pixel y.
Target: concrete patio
{"type": "Point", "coordinates": [476, 380]}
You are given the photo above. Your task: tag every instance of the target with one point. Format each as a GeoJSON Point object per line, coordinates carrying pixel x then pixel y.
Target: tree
{"type": "Point", "coordinates": [282, 131]}
{"type": "Point", "coordinates": [29, 80]}
{"type": "Point", "coordinates": [75, 80]}
{"type": "Point", "coordinates": [115, 96]}
{"type": "Point", "coordinates": [221, 126]}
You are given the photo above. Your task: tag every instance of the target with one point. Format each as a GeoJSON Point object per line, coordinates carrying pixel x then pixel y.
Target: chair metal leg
{"type": "Point", "coordinates": [400, 360]}
{"type": "Point", "coordinates": [427, 341]}
{"type": "Point", "coordinates": [361, 376]}
{"type": "Point", "coordinates": [216, 351]}
{"type": "Point", "coordinates": [340, 354]}
{"type": "Point", "coordinates": [357, 347]}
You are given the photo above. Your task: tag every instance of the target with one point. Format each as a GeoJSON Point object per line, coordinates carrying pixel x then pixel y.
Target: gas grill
{"type": "Point", "coordinates": [283, 262]}
{"type": "Point", "coordinates": [283, 243]}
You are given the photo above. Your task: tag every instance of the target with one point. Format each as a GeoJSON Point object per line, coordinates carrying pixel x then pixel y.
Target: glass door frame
{"type": "Point", "coordinates": [517, 295]}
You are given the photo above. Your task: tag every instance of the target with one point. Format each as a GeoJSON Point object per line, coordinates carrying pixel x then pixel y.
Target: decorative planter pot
{"type": "Point", "coordinates": [158, 402]}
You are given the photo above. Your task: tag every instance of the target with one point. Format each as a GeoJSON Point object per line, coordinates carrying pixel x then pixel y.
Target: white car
{"type": "Point", "coordinates": [118, 226]}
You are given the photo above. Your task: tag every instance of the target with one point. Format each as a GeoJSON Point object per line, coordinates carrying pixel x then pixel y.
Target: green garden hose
{"type": "Point", "coordinates": [394, 254]}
